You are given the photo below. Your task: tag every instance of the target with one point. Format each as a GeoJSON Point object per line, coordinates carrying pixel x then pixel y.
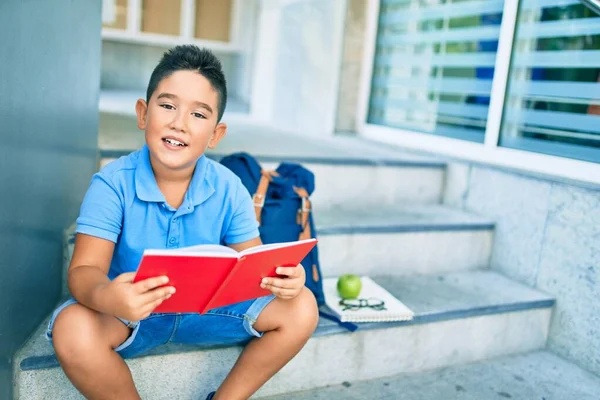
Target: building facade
{"type": "Point", "coordinates": [507, 92]}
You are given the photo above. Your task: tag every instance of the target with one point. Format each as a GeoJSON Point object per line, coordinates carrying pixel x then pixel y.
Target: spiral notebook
{"type": "Point", "coordinates": [373, 295]}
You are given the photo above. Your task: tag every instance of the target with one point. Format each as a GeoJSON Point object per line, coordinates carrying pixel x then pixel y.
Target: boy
{"type": "Point", "coordinates": [169, 195]}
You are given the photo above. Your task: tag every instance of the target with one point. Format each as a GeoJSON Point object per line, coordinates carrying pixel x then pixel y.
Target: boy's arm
{"type": "Point", "coordinates": [98, 228]}
{"type": "Point", "coordinates": [246, 245]}
{"type": "Point", "coordinates": [89, 284]}
{"type": "Point", "coordinates": [88, 270]}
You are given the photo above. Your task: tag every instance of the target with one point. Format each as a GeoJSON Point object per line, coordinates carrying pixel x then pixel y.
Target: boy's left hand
{"type": "Point", "coordinates": [289, 287]}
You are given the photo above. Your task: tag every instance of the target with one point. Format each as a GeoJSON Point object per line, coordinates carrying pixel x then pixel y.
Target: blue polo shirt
{"type": "Point", "coordinates": [124, 204]}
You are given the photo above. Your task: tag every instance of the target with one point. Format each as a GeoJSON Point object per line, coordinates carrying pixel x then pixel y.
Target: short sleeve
{"type": "Point", "coordinates": [243, 226]}
{"type": "Point", "coordinates": [101, 213]}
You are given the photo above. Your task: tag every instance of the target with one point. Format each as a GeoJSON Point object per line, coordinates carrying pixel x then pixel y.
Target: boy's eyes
{"type": "Point", "coordinates": [170, 107]}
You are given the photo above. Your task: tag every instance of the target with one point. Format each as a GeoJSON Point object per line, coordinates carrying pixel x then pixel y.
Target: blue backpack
{"type": "Point", "coordinates": [282, 207]}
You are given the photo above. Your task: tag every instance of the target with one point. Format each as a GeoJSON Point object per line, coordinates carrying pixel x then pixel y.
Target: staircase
{"type": "Point", "coordinates": [378, 213]}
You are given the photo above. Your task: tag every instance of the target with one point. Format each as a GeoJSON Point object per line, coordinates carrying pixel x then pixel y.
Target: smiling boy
{"type": "Point", "coordinates": [167, 195]}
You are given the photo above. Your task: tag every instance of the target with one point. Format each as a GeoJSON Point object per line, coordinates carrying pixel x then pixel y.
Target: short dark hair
{"type": "Point", "coordinates": [191, 58]}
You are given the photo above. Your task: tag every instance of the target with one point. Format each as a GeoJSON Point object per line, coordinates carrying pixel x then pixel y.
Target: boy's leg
{"type": "Point", "coordinates": [287, 326]}
{"type": "Point", "coordinates": [84, 341]}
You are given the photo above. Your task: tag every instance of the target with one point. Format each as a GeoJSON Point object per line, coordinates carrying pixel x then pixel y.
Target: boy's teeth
{"type": "Point", "coordinates": [174, 142]}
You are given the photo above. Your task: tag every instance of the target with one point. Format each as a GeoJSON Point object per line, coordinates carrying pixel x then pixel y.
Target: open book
{"type": "Point", "coordinates": [211, 276]}
{"type": "Point", "coordinates": [377, 305]}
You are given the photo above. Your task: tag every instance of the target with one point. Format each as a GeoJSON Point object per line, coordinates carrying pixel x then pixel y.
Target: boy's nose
{"type": "Point", "coordinates": [178, 122]}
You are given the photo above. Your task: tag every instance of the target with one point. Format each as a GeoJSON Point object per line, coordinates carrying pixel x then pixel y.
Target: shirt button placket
{"type": "Point", "coordinates": [173, 233]}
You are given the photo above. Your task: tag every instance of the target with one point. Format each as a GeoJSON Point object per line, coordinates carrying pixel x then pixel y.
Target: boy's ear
{"type": "Point", "coordinates": [141, 110]}
{"type": "Point", "coordinates": [218, 134]}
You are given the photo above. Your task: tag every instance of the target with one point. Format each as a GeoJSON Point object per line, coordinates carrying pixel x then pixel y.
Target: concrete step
{"type": "Point", "coordinates": [459, 318]}
{"type": "Point", "coordinates": [538, 375]}
{"type": "Point", "coordinates": [408, 240]}
{"type": "Point", "coordinates": [347, 169]}
{"type": "Point", "coordinates": [402, 241]}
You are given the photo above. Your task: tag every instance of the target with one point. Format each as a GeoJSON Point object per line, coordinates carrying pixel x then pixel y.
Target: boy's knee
{"type": "Point", "coordinates": [297, 317]}
{"type": "Point", "coordinates": [306, 312]}
{"type": "Point", "coordinates": [73, 332]}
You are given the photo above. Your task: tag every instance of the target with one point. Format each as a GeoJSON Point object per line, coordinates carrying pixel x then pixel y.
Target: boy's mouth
{"type": "Point", "coordinates": [174, 142]}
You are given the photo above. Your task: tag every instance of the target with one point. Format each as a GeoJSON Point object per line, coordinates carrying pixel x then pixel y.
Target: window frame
{"type": "Point", "coordinates": [134, 34]}
{"type": "Point", "coordinates": [489, 152]}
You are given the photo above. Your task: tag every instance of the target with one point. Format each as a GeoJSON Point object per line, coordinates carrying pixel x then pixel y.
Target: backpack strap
{"type": "Point", "coordinates": [261, 192]}
{"type": "Point", "coordinates": [302, 220]}
{"type": "Point", "coordinates": [327, 314]}
{"type": "Point", "coordinates": [303, 213]}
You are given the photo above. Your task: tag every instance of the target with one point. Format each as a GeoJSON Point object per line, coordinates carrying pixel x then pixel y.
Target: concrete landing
{"type": "Point", "coordinates": [119, 133]}
{"type": "Point", "coordinates": [533, 376]}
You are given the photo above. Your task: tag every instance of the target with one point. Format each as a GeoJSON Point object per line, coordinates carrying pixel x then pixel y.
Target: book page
{"type": "Point", "coordinates": [266, 247]}
{"type": "Point", "coordinates": [208, 248]}
{"type": "Point", "coordinates": [213, 250]}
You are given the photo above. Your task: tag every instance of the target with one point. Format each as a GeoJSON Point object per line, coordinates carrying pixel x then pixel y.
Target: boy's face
{"type": "Point", "coordinates": [180, 120]}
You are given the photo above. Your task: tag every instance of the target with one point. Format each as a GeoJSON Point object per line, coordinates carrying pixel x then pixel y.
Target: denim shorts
{"type": "Point", "coordinates": [227, 325]}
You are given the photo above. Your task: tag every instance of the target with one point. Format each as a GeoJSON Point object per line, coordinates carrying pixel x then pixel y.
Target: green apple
{"type": "Point", "coordinates": [349, 286]}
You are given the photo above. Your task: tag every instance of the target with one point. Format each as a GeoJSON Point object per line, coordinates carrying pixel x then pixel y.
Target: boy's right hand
{"type": "Point", "coordinates": [135, 301]}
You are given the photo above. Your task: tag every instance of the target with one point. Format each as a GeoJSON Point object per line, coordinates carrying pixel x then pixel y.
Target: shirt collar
{"type": "Point", "coordinates": [147, 189]}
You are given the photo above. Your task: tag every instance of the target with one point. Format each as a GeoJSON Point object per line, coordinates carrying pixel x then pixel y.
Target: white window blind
{"type": "Point", "coordinates": [553, 100]}
{"type": "Point", "coordinates": [434, 64]}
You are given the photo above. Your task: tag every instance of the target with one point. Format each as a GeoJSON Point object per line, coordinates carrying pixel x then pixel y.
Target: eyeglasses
{"type": "Point", "coordinates": [357, 304]}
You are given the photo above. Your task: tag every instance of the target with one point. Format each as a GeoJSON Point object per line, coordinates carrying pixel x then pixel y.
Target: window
{"type": "Point", "coordinates": [434, 65]}
{"type": "Point", "coordinates": [215, 24]}
{"type": "Point", "coordinates": [553, 100]}
{"type": "Point", "coordinates": [213, 19]}
{"type": "Point", "coordinates": [115, 14]}
{"type": "Point", "coordinates": [161, 17]}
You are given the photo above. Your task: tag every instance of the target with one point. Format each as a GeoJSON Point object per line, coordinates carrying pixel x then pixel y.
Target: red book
{"type": "Point", "coordinates": [211, 276]}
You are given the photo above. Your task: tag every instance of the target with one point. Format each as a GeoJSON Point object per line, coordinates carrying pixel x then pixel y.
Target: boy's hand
{"type": "Point", "coordinates": [135, 301]}
{"type": "Point", "coordinates": [289, 287]}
